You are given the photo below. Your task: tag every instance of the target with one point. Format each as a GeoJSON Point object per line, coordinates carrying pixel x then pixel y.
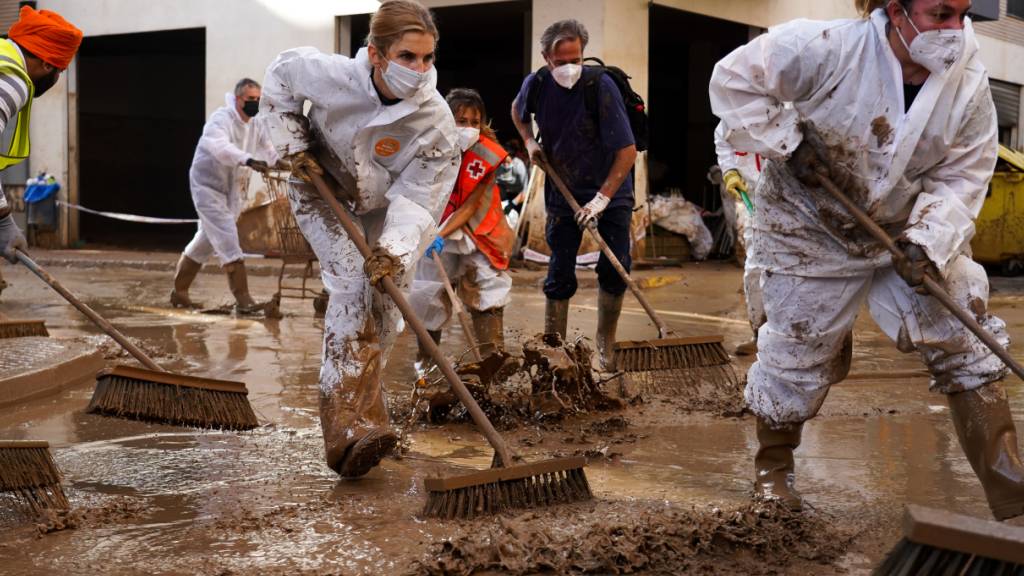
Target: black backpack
{"type": "Point", "coordinates": [636, 110]}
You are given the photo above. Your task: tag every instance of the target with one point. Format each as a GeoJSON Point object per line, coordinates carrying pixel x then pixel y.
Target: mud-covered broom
{"type": "Point", "coordinates": [27, 469]}
{"type": "Point", "coordinates": [153, 394]}
{"type": "Point", "coordinates": [11, 328]}
{"type": "Point", "coordinates": [505, 486]}
{"type": "Point", "coordinates": [940, 542]}
{"type": "Point", "coordinates": [668, 363]}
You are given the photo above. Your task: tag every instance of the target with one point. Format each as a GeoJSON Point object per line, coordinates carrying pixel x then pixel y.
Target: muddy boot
{"type": "Point", "coordinates": [424, 360]}
{"type": "Point", "coordinates": [748, 348]}
{"type": "Point", "coordinates": [556, 317]}
{"type": "Point", "coordinates": [989, 439]}
{"type": "Point", "coordinates": [238, 283]}
{"type": "Point", "coordinates": [773, 464]}
{"type": "Point", "coordinates": [354, 418]}
{"type": "Point", "coordinates": [489, 327]}
{"type": "Point", "coordinates": [184, 275]}
{"type": "Point", "coordinates": [608, 309]}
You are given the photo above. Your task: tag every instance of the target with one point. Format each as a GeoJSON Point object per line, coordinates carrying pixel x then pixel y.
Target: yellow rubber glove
{"type": "Point", "coordinates": [734, 183]}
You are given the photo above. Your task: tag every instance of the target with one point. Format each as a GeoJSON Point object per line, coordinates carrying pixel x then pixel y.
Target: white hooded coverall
{"type": "Point", "coordinates": [399, 162]}
{"type": "Point", "coordinates": [216, 179]}
{"type": "Point", "coordinates": [922, 174]}
{"type": "Point", "coordinates": [748, 166]}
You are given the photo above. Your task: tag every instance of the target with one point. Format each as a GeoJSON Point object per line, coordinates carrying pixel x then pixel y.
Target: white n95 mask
{"type": "Point", "coordinates": [567, 75]}
{"type": "Point", "coordinates": [936, 50]}
{"type": "Point", "coordinates": [404, 82]}
{"type": "Point", "coordinates": [467, 137]}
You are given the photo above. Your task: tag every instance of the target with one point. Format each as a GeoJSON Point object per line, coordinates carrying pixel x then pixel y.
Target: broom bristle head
{"type": "Point", "coordinates": [28, 470]}
{"type": "Point", "coordinates": [658, 366]}
{"type": "Point", "coordinates": [548, 483]}
{"type": "Point", "coordinates": [22, 328]}
{"type": "Point", "coordinates": [165, 398]}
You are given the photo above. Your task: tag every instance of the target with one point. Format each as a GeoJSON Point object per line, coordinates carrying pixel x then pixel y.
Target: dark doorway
{"type": "Point", "coordinates": [140, 115]}
{"type": "Point", "coordinates": [483, 46]}
{"type": "Point", "coordinates": [682, 125]}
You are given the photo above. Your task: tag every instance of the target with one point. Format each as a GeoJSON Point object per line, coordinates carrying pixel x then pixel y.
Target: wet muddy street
{"type": "Point", "coordinates": [672, 487]}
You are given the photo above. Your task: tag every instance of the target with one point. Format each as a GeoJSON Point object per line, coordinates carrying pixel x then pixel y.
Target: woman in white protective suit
{"type": "Point", "coordinates": [379, 129]}
{"type": "Point", "coordinates": [902, 102]}
{"type": "Point", "coordinates": [231, 145]}
{"type": "Point", "coordinates": [741, 171]}
{"type": "Point", "coordinates": [475, 240]}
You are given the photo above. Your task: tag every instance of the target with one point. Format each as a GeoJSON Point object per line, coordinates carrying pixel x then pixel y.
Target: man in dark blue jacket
{"type": "Point", "coordinates": [593, 151]}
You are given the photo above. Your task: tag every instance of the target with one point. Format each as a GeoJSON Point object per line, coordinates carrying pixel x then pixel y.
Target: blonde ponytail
{"type": "Point", "coordinates": [866, 7]}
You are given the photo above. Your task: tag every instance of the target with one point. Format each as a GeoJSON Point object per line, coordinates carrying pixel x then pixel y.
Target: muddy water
{"type": "Point", "coordinates": [155, 499]}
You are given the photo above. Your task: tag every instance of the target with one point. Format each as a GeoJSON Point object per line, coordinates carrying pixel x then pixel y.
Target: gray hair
{"type": "Point", "coordinates": [563, 30]}
{"type": "Point", "coordinates": [243, 84]}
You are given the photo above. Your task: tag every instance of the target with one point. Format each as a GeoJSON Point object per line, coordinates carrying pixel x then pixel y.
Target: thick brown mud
{"type": "Point", "coordinates": [150, 499]}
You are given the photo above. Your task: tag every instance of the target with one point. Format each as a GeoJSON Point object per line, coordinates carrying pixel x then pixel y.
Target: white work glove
{"type": "Point", "coordinates": [588, 214]}
{"type": "Point", "coordinates": [11, 238]}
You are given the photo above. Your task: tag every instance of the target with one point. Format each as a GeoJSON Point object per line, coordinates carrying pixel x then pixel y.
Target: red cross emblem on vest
{"type": "Point", "coordinates": [476, 169]}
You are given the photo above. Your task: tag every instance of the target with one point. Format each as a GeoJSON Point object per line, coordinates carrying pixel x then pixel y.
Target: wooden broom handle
{"type": "Point", "coordinates": [460, 311]}
{"type": "Point", "coordinates": [356, 236]}
{"type": "Point", "coordinates": [933, 287]}
{"type": "Point", "coordinates": [663, 329]}
{"type": "Point", "coordinates": [89, 312]}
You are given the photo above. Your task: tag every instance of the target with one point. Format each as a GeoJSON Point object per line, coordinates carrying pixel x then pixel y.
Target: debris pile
{"type": "Point", "coordinates": [756, 538]}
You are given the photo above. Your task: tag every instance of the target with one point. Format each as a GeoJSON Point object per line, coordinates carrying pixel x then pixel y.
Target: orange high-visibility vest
{"type": "Point", "coordinates": [491, 232]}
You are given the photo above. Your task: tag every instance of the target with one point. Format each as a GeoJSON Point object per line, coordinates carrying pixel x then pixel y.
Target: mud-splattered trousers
{"type": "Point", "coordinates": [478, 284]}
{"type": "Point", "coordinates": [360, 324]}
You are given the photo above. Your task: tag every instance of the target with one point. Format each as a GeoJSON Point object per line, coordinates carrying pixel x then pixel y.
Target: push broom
{"type": "Point", "coordinates": [28, 470]}
{"type": "Point", "coordinates": [11, 328]}
{"type": "Point", "coordinates": [939, 542]}
{"type": "Point", "coordinates": [153, 394]}
{"type": "Point", "coordinates": [505, 486]}
{"type": "Point", "coordinates": [668, 361]}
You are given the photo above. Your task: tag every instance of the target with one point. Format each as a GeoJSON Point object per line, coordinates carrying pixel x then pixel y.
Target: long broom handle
{"type": "Point", "coordinates": [930, 285]}
{"type": "Point", "coordinates": [457, 307]}
{"type": "Point", "coordinates": [663, 329]}
{"type": "Point", "coordinates": [89, 312]}
{"type": "Point", "coordinates": [356, 236]}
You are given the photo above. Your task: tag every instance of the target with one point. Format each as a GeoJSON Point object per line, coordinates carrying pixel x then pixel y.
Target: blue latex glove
{"type": "Point", "coordinates": [436, 246]}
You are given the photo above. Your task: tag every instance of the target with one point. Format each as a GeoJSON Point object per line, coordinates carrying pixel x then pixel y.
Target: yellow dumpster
{"type": "Point", "coordinates": [999, 236]}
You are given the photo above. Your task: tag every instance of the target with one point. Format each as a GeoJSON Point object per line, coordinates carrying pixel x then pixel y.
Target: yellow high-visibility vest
{"type": "Point", "coordinates": [13, 64]}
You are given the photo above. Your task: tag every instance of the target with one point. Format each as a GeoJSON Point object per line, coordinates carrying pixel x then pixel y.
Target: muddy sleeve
{"type": "Point", "coordinates": [750, 87]}
{"type": "Point", "coordinates": [952, 193]}
{"type": "Point", "coordinates": [216, 140]}
{"type": "Point", "coordinates": [418, 195]}
{"type": "Point", "coordinates": [285, 92]}
{"type": "Point", "coordinates": [265, 145]}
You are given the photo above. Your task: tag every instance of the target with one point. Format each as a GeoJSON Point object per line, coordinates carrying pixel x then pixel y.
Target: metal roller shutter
{"type": "Point", "coordinates": [1007, 98]}
{"type": "Point", "coordinates": [8, 15]}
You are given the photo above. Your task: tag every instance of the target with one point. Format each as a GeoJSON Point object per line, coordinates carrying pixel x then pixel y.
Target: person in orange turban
{"type": "Point", "coordinates": [48, 41]}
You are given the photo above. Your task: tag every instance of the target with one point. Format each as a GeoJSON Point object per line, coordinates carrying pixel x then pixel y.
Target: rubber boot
{"type": "Point", "coordinates": [489, 327]}
{"type": "Point", "coordinates": [238, 283]}
{"type": "Point", "coordinates": [354, 413]}
{"type": "Point", "coordinates": [989, 439]}
{"type": "Point", "coordinates": [608, 309]}
{"type": "Point", "coordinates": [556, 317]}
{"type": "Point", "coordinates": [773, 463]}
{"type": "Point", "coordinates": [748, 348]}
{"type": "Point", "coordinates": [423, 358]}
{"type": "Point", "coordinates": [184, 274]}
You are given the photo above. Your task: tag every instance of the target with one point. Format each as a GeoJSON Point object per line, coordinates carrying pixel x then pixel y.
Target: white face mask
{"type": "Point", "coordinates": [404, 82]}
{"type": "Point", "coordinates": [467, 137]}
{"type": "Point", "coordinates": [567, 75]}
{"type": "Point", "coordinates": [936, 50]}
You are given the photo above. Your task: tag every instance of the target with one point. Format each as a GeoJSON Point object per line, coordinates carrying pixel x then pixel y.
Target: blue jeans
{"type": "Point", "coordinates": [564, 237]}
